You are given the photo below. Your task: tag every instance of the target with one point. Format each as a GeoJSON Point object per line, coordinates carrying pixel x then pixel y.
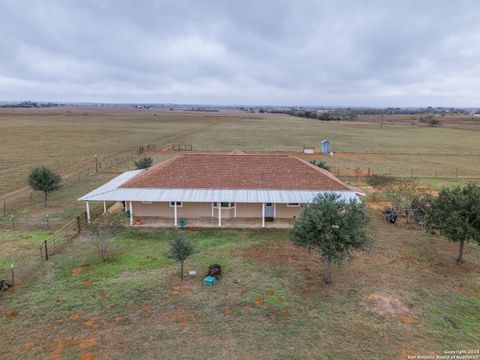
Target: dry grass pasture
{"type": "Point", "coordinates": [67, 139]}
{"type": "Point", "coordinates": [405, 297]}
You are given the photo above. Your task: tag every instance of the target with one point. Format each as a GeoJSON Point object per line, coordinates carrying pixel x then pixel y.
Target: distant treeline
{"type": "Point", "coordinates": [351, 114]}
{"type": "Point", "coordinates": [29, 104]}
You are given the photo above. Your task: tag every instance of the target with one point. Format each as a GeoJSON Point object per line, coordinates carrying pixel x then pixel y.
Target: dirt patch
{"type": "Point", "coordinates": [59, 346]}
{"type": "Point", "coordinates": [87, 343]}
{"type": "Point", "coordinates": [385, 304]}
{"type": "Point", "coordinates": [82, 269]}
{"type": "Point", "coordinates": [11, 314]}
{"type": "Point", "coordinates": [409, 320]}
{"type": "Point", "coordinates": [87, 282]}
{"type": "Point", "coordinates": [278, 253]}
{"type": "Point", "coordinates": [88, 356]}
{"type": "Point", "coordinates": [91, 321]}
{"type": "Point", "coordinates": [74, 317]}
{"type": "Point", "coordinates": [181, 289]}
{"type": "Point", "coordinates": [258, 301]}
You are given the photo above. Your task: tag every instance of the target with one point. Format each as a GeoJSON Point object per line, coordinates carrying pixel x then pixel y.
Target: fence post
{"type": "Point", "coordinates": [411, 172]}
{"type": "Point", "coordinates": [13, 276]}
{"type": "Point", "coordinates": [78, 224]}
{"type": "Point", "coordinates": [13, 222]}
{"type": "Point", "coordinates": [48, 224]}
{"type": "Point", "coordinates": [31, 196]}
{"type": "Point", "coordinates": [369, 171]}
{"type": "Point", "coordinates": [46, 250]}
{"type": "Point", "coordinates": [4, 207]}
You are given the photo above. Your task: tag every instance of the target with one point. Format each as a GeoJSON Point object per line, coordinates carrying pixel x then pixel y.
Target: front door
{"type": "Point", "coordinates": [269, 211]}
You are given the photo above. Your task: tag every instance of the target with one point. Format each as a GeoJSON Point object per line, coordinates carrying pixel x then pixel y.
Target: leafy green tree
{"type": "Point", "coordinates": [455, 214]}
{"type": "Point", "coordinates": [43, 179]}
{"type": "Point", "coordinates": [379, 183]}
{"type": "Point", "coordinates": [334, 227]}
{"type": "Point", "coordinates": [180, 250]}
{"type": "Point", "coordinates": [320, 164]}
{"type": "Point", "coordinates": [144, 162]}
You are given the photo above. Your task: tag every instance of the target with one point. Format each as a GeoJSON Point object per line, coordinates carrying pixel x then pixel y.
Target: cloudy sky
{"type": "Point", "coordinates": [319, 52]}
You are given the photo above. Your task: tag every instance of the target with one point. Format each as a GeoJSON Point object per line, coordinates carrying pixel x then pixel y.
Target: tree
{"type": "Point", "coordinates": [455, 214]}
{"type": "Point", "coordinates": [43, 179]}
{"type": "Point", "coordinates": [379, 183]}
{"type": "Point", "coordinates": [402, 195]}
{"type": "Point", "coordinates": [144, 162]}
{"type": "Point", "coordinates": [334, 227]}
{"type": "Point", "coordinates": [431, 120]}
{"type": "Point", "coordinates": [105, 228]}
{"type": "Point", "coordinates": [180, 250]}
{"type": "Point", "coordinates": [320, 164]}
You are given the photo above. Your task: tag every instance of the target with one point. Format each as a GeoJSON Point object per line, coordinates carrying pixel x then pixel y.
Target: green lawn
{"type": "Point", "coordinates": [407, 296]}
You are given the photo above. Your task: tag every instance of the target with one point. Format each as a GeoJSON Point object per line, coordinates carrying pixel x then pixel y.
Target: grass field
{"type": "Point", "coordinates": [68, 139]}
{"type": "Point", "coordinates": [405, 297]}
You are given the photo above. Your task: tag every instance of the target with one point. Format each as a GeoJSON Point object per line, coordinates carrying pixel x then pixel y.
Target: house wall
{"type": "Point", "coordinates": [204, 209]}
{"type": "Point", "coordinates": [285, 212]}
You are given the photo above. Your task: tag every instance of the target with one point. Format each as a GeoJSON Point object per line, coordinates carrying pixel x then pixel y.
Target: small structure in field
{"type": "Point", "coordinates": [325, 144]}
{"type": "Point", "coordinates": [308, 149]}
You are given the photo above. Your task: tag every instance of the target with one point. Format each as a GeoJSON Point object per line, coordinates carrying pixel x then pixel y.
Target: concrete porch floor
{"type": "Point", "coordinates": [209, 222]}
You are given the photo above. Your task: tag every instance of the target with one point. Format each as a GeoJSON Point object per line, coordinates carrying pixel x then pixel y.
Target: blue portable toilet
{"type": "Point", "coordinates": [325, 144]}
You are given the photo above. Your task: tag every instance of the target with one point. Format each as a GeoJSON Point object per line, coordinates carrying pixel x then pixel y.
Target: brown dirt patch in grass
{"type": "Point", "coordinates": [74, 317]}
{"type": "Point", "coordinates": [278, 253]}
{"type": "Point", "coordinates": [181, 318]}
{"type": "Point", "coordinates": [91, 321]}
{"type": "Point", "coordinates": [59, 346]}
{"type": "Point", "coordinates": [87, 343]}
{"type": "Point", "coordinates": [258, 301]}
{"type": "Point", "coordinates": [409, 320]}
{"type": "Point", "coordinates": [385, 304]}
{"type": "Point", "coordinates": [82, 269]}
{"type": "Point", "coordinates": [181, 289]}
{"type": "Point", "coordinates": [28, 345]}
{"type": "Point", "coordinates": [88, 356]}
{"type": "Point", "coordinates": [87, 282]}
{"type": "Point", "coordinates": [228, 313]}
{"type": "Point", "coordinates": [12, 314]}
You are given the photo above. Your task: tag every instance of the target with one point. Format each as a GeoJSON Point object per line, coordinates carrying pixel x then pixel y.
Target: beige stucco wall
{"type": "Point", "coordinates": [197, 210]}
{"type": "Point", "coordinates": [249, 210]}
{"type": "Point", "coordinates": [285, 212]}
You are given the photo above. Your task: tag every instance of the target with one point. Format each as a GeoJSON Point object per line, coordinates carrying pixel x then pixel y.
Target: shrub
{"type": "Point", "coordinates": [144, 163]}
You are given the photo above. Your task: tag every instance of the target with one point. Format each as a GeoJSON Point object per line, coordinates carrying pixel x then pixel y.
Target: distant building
{"type": "Point", "coordinates": [325, 144]}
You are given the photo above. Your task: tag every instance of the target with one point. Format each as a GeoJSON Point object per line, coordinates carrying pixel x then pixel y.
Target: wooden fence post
{"type": "Point", "coordinates": [48, 224]}
{"type": "Point", "coordinates": [78, 225]}
{"type": "Point", "coordinates": [46, 250]}
{"type": "Point", "coordinates": [4, 207]}
{"type": "Point", "coordinates": [369, 171]}
{"type": "Point", "coordinates": [13, 222]}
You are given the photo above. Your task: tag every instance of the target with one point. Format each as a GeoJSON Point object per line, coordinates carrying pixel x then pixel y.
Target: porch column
{"type": "Point", "coordinates": [263, 215]}
{"type": "Point", "coordinates": [131, 212]}
{"type": "Point", "coordinates": [104, 207]}
{"type": "Point", "coordinates": [235, 210]}
{"type": "Point", "coordinates": [219, 214]}
{"type": "Point", "coordinates": [175, 214]}
{"type": "Point", "coordinates": [87, 208]}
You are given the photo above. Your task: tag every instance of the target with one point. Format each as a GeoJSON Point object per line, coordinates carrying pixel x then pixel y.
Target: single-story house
{"type": "Point", "coordinates": [234, 189]}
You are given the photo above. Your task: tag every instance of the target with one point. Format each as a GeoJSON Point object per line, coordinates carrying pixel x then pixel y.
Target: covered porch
{"type": "Point", "coordinates": [205, 214]}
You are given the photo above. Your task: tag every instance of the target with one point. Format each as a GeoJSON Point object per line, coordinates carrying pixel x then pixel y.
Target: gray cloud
{"type": "Point", "coordinates": [372, 53]}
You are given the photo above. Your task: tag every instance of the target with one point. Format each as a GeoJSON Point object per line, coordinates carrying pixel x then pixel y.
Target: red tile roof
{"type": "Point", "coordinates": [236, 171]}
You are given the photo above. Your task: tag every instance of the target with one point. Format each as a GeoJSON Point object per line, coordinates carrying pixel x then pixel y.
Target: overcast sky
{"type": "Point", "coordinates": [361, 53]}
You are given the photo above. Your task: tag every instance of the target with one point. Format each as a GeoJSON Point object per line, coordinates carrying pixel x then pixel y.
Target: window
{"type": "Point", "coordinates": [179, 204]}
{"type": "Point", "coordinates": [293, 205]}
{"type": "Point", "coordinates": [225, 205]}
